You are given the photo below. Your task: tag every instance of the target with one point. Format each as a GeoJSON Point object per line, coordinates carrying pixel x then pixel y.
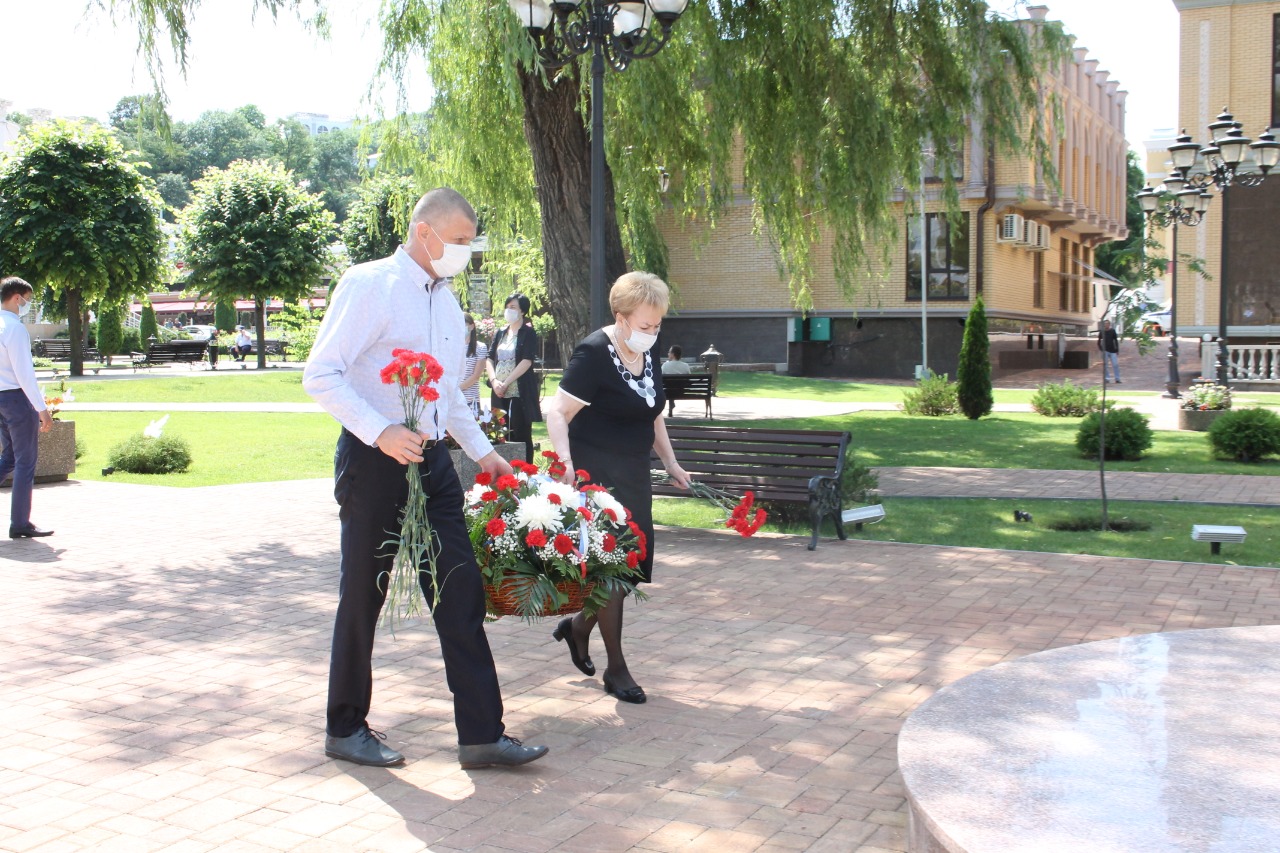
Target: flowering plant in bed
{"type": "Point", "coordinates": [546, 547]}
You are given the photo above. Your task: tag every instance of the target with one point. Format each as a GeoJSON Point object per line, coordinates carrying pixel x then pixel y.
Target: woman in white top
{"type": "Point", "coordinates": [477, 354]}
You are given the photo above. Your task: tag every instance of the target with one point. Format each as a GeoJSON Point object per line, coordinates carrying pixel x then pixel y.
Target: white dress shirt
{"type": "Point", "coordinates": [16, 369]}
{"type": "Point", "coordinates": [379, 306]}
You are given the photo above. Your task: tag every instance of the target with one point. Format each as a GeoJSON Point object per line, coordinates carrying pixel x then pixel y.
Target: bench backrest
{"type": "Point", "coordinates": [686, 383]}
{"type": "Point", "coordinates": [60, 346]}
{"type": "Point", "coordinates": [774, 463]}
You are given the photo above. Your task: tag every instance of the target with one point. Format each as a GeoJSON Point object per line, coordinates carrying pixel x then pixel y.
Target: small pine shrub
{"type": "Point", "coordinates": [1128, 435]}
{"type": "Point", "coordinates": [934, 396]}
{"type": "Point", "coordinates": [1246, 435]}
{"type": "Point", "coordinates": [974, 395]}
{"type": "Point", "coordinates": [1065, 401]}
{"type": "Point", "coordinates": [141, 454]}
{"type": "Point", "coordinates": [131, 342]}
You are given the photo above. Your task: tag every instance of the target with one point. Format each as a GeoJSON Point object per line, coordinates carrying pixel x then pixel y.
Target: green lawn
{"type": "Point", "coordinates": [1005, 440]}
{"type": "Point", "coordinates": [225, 447]}
{"type": "Point", "coordinates": [988, 523]}
{"type": "Point", "coordinates": [250, 386]}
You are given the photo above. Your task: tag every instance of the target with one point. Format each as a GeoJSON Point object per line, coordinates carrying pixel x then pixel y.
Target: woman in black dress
{"type": "Point", "coordinates": [511, 374]}
{"type": "Point", "coordinates": [605, 418]}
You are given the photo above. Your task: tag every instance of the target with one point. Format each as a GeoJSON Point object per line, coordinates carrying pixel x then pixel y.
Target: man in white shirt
{"type": "Point", "coordinates": [23, 413]}
{"type": "Point", "coordinates": [243, 344]}
{"type": "Point", "coordinates": [404, 301]}
{"type": "Point", "coordinates": [673, 366]}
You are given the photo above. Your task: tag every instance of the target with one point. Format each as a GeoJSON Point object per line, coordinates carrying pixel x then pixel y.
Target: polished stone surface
{"type": "Point", "coordinates": [1158, 743]}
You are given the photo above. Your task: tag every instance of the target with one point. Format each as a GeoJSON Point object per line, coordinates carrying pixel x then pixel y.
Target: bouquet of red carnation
{"type": "Point", "coordinates": [545, 547]}
{"type": "Point", "coordinates": [415, 374]}
{"type": "Point", "coordinates": [739, 515]}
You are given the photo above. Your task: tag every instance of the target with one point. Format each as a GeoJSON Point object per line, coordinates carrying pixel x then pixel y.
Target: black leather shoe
{"type": "Point", "coordinates": [564, 631]}
{"type": "Point", "coordinates": [634, 695]}
{"type": "Point", "coordinates": [28, 532]}
{"type": "Point", "coordinates": [506, 752]}
{"type": "Point", "coordinates": [363, 747]}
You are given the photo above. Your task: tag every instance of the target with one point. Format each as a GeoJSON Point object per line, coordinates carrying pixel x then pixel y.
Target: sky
{"type": "Point", "coordinates": [77, 63]}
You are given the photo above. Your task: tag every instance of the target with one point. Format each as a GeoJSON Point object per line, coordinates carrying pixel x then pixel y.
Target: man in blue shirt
{"type": "Point", "coordinates": [23, 414]}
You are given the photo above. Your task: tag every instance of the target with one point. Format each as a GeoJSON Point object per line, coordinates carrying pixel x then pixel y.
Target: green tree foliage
{"type": "Point", "coordinates": [973, 376]}
{"type": "Point", "coordinates": [110, 331]}
{"type": "Point", "coordinates": [252, 233]}
{"type": "Point", "coordinates": [335, 169]}
{"type": "Point", "coordinates": [224, 316]}
{"type": "Point", "coordinates": [811, 97]}
{"type": "Point", "coordinates": [148, 328]}
{"type": "Point", "coordinates": [378, 218]}
{"type": "Point", "coordinates": [175, 192]}
{"type": "Point", "coordinates": [1123, 258]}
{"type": "Point", "coordinates": [78, 220]}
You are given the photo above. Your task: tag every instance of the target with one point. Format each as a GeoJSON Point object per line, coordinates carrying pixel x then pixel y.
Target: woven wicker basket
{"type": "Point", "coordinates": [501, 602]}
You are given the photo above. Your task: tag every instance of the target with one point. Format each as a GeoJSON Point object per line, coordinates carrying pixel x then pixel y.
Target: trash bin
{"type": "Point", "coordinates": [711, 358]}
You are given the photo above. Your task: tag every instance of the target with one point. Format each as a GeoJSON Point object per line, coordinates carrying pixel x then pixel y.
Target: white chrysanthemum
{"type": "Point", "coordinates": [604, 501]}
{"type": "Point", "coordinates": [473, 494]}
{"type": "Point", "coordinates": [536, 511]}
{"type": "Point", "coordinates": [568, 494]}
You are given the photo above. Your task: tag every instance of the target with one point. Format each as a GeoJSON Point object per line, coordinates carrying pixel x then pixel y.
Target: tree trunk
{"type": "Point", "coordinates": [260, 324]}
{"type": "Point", "coordinates": [75, 331]}
{"type": "Point", "coordinates": [561, 148]}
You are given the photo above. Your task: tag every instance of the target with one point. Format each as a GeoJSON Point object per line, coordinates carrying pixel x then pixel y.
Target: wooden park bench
{"type": "Point", "coordinates": [687, 386]}
{"type": "Point", "coordinates": [280, 348]}
{"type": "Point", "coordinates": [173, 352]}
{"type": "Point", "coordinates": [59, 349]}
{"type": "Point", "coordinates": [790, 466]}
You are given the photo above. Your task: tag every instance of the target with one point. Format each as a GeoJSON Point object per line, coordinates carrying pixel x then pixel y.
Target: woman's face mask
{"type": "Point", "coordinates": [640, 341]}
{"type": "Point", "coordinates": [511, 315]}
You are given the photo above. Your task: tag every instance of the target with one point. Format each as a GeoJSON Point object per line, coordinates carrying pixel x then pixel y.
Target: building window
{"type": "Point", "coordinates": [1064, 275]}
{"type": "Point", "coordinates": [947, 259]}
{"type": "Point", "coordinates": [1275, 71]}
{"type": "Point", "coordinates": [1037, 279]}
{"type": "Point", "coordinates": [937, 162]}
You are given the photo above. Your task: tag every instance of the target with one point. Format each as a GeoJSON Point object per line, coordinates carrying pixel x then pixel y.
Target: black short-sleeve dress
{"type": "Point", "coordinates": [610, 437]}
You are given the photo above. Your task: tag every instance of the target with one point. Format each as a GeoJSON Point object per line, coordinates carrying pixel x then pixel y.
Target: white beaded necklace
{"type": "Point", "coordinates": [643, 386]}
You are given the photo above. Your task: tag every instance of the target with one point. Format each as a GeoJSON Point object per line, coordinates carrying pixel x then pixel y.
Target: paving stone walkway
{"type": "Point", "coordinates": [164, 690]}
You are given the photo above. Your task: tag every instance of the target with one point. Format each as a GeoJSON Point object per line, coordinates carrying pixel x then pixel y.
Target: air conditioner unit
{"type": "Point", "coordinates": [1029, 231]}
{"type": "Point", "coordinates": [1044, 239]}
{"type": "Point", "coordinates": [1010, 229]}
{"type": "Point", "coordinates": [1037, 237]}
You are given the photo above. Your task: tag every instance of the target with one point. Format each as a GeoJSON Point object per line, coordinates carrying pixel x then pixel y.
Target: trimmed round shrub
{"type": "Point", "coordinates": [141, 454]}
{"type": "Point", "coordinates": [1127, 431]}
{"type": "Point", "coordinates": [934, 396]}
{"type": "Point", "coordinates": [1246, 435]}
{"type": "Point", "coordinates": [1067, 400]}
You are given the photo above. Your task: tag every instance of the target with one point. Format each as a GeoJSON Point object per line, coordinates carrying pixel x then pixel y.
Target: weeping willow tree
{"type": "Point", "coordinates": [813, 112]}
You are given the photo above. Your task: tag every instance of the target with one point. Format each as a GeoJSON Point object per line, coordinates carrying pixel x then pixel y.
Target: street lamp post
{"type": "Point", "coordinates": [613, 30]}
{"type": "Point", "coordinates": [1222, 165]}
{"type": "Point", "coordinates": [1175, 205]}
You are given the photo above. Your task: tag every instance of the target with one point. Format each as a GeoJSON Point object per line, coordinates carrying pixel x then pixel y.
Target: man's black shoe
{"type": "Point", "coordinates": [28, 532]}
{"type": "Point", "coordinates": [506, 752]}
{"type": "Point", "coordinates": [363, 747]}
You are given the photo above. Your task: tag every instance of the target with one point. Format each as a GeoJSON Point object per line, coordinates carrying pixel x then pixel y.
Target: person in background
{"type": "Point", "coordinates": [673, 366]}
{"type": "Point", "coordinates": [605, 418]}
{"type": "Point", "coordinates": [23, 414]}
{"type": "Point", "coordinates": [1109, 343]}
{"type": "Point", "coordinates": [511, 374]}
{"type": "Point", "coordinates": [243, 344]}
{"type": "Point", "coordinates": [477, 355]}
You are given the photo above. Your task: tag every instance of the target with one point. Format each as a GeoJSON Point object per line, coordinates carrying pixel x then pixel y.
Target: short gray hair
{"type": "Point", "coordinates": [440, 203]}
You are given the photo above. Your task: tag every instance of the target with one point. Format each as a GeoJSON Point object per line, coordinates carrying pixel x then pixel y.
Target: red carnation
{"type": "Point", "coordinates": [428, 393]}
{"type": "Point", "coordinates": [582, 474]}
{"type": "Point", "coordinates": [585, 513]}
{"type": "Point", "coordinates": [554, 498]}
{"type": "Point", "coordinates": [613, 516]}
{"type": "Point", "coordinates": [415, 372]}
{"type": "Point", "coordinates": [484, 478]}
{"type": "Point", "coordinates": [633, 559]}
{"type": "Point", "coordinates": [563, 544]}
{"type": "Point", "coordinates": [489, 496]}
{"type": "Point", "coordinates": [609, 543]}
{"type": "Point", "coordinates": [550, 454]}
{"type": "Point", "coordinates": [495, 527]}
{"type": "Point", "coordinates": [398, 351]}
{"type": "Point", "coordinates": [506, 481]}
{"type": "Point", "coordinates": [536, 539]}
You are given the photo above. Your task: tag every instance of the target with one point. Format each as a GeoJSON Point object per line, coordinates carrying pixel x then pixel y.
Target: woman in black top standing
{"type": "Point", "coordinates": [605, 418]}
{"type": "Point", "coordinates": [511, 374]}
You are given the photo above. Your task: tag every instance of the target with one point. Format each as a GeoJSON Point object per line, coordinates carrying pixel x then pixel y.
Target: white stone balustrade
{"type": "Point", "coordinates": [1246, 362]}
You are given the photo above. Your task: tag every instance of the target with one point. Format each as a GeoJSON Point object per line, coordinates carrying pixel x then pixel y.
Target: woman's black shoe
{"type": "Point", "coordinates": [634, 695]}
{"type": "Point", "coordinates": [564, 631]}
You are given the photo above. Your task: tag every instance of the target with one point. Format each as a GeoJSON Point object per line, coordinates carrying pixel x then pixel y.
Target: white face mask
{"type": "Point", "coordinates": [452, 260]}
{"type": "Point", "coordinates": [25, 307]}
{"type": "Point", "coordinates": [640, 341]}
{"type": "Point", "coordinates": [511, 315]}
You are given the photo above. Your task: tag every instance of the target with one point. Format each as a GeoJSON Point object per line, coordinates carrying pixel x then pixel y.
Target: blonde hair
{"type": "Point", "coordinates": [638, 288]}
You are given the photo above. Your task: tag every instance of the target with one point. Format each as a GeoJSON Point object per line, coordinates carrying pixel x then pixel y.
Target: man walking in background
{"type": "Point", "coordinates": [1109, 343]}
{"type": "Point", "coordinates": [23, 414]}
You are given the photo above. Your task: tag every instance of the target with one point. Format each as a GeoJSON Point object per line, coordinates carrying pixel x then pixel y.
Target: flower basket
{"type": "Point", "coordinates": [548, 548]}
{"type": "Point", "coordinates": [1197, 420]}
{"type": "Point", "coordinates": [505, 600]}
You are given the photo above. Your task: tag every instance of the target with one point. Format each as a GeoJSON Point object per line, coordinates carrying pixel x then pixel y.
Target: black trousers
{"type": "Point", "coordinates": [519, 427]}
{"type": "Point", "coordinates": [371, 489]}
